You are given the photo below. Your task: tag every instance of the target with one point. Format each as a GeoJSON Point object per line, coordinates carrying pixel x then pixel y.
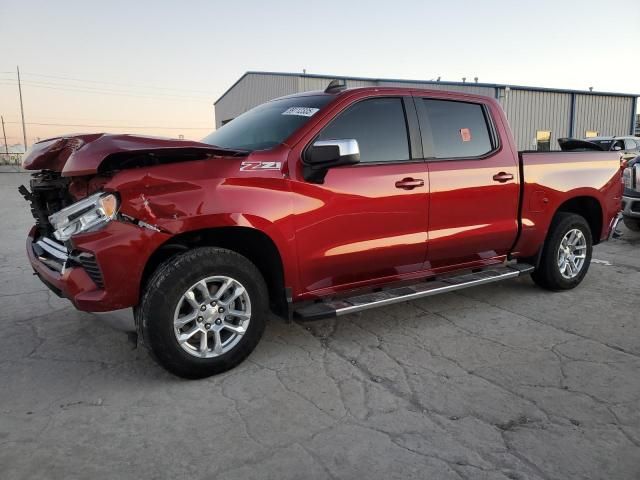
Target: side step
{"type": "Point", "coordinates": [344, 306]}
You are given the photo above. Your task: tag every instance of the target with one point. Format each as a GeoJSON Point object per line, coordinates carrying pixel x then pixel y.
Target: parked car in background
{"type": "Point", "coordinates": [631, 195]}
{"type": "Point", "coordinates": [314, 205]}
{"type": "Point", "coordinates": [629, 146]}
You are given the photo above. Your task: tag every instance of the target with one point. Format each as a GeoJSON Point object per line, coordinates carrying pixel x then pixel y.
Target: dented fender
{"type": "Point", "coordinates": [174, 200]}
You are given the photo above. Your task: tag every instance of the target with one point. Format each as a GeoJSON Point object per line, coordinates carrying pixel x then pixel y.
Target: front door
{"type": "Point", "coordinates": [367, 221]}
{"type": "Point", "coordinates": [473, 180]}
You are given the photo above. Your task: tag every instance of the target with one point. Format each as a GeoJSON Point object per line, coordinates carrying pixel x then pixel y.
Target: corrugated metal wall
{"type": "Point", "coordinates": [603, 114]}
{"type": "Point", "coordinates": [253, 90]}
{"type": "Point", "coordinates": [529, 111]}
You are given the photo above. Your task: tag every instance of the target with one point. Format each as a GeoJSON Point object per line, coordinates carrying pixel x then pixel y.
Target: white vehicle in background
{"type": "Point", "coordinates": [631, 195]}
{"type": "Point", "coordinates": [629, 147]}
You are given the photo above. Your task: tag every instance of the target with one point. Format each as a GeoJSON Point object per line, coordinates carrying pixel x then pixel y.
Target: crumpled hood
{"type": "Point", "coordinates": [84, 154]}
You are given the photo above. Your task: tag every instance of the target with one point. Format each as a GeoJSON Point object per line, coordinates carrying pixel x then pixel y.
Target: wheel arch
{"type": "Point", "coordinates": [249, 242]}
{"type": "Point", "coordinates": [590, 209]}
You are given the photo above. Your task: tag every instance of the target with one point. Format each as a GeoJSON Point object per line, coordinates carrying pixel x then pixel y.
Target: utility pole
{"type": "Point", "coordinates": [4, 134]}
{"type": "Point", "coordinates": [24, 131]}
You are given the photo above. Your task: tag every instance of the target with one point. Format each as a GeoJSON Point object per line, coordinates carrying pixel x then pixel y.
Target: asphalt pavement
{"type": "Point", "coordinates": [503, 381]}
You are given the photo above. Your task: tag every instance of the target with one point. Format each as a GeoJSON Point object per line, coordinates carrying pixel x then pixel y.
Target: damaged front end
{"type": "Point", "coordinates": [84, 245]}
{"type": "Point", "coordinates": [90, 154]}
{"type": "Point", "coordinates": [58, 215]}
{"type": "Point", "coordinates": [49, 194]}
{"type": "Point", "coordinates": [86, 250]}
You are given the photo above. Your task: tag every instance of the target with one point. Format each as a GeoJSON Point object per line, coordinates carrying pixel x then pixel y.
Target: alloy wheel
{"type": "Point", "coordinates": [212, 316]}
{"type": "Point", "coordinates": [572, 254]}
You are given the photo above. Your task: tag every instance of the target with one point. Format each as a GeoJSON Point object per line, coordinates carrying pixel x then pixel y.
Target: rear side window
{"type": "Point", "coordinates": [630, 144]}
{"type": "Point", "coordinates": [454, 129]}
{"type": "Point", "coordinates": [378, 125]}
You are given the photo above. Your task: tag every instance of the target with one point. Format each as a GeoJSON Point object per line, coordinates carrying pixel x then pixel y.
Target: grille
{"type": "Point", "coordinates": [51, 252]}
{"type": "Point", "coordinates": [49, 194]}
{"type": "Point", "coordinates": [92, 268]}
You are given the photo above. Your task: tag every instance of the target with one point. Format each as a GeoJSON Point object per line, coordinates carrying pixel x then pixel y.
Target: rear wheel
{"type": "Point", "coordinates": [203, 312]}
{"type": "Point", "coordinates": [566, 255]}
{"type": "Point", "coordinates": [632, 224]}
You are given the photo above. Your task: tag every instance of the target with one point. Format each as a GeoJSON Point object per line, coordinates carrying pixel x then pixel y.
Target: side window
{"type": "Point", "coordinates": [454, 129]}
{"type": "Point", "coordinates": [630, 144]}
{"type": "Point", "coordinates": [378, 125]}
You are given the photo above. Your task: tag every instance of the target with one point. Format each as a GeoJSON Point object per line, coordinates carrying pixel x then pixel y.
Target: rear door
{"type": "Point", "coordinates": [474, 193]}
{"type": "Point", "coordinates": [366, 221]}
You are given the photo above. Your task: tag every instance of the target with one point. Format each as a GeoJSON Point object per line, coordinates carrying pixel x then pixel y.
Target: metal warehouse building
{"type": "Point", "coordinates": [538, 116]}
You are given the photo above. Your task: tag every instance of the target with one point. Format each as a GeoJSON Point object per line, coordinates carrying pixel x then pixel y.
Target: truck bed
{"type": "Point", "coordinates": [550, 178]}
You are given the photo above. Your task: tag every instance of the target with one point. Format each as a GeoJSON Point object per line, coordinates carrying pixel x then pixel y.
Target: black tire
{"type": "Point", "coordinates": [155, 314]}
{"type": "Point", "coordinates": [632, 224]}
{"type": "Point", "coordinates": [548, 274]}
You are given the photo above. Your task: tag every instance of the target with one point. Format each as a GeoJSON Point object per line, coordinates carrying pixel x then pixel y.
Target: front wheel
{"type": "Point", "coordinates": [203, 312]}
{"type": "Point", "coordinates": [566, 255]}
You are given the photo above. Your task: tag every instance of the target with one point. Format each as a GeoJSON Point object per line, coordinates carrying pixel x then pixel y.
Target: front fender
{"type": "Point", "coordinates": [178, 199]}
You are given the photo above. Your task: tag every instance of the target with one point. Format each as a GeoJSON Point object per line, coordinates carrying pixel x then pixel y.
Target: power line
{"type": "Point", "coordinates": [115, 83]}
{"type": "Point", "coordinates": [112, 126]}
{"type": "Point", "coordinates": [59, 77]}
{"type": "Point", "coordinates": [47, 118]}
{"type": "Point", "coordinates": [54, 86]}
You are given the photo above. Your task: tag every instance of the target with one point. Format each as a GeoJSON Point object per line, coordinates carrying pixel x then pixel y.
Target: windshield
{"type": "Point", "coordinates": [267, 125]}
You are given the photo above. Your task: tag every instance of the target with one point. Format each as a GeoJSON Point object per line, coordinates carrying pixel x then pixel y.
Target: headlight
{"type": "Point", "coordinates": [627, 179]}
{"type": "Point", "coordinates": [88, 214]}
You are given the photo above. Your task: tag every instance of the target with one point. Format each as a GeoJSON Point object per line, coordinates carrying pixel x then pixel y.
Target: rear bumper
{"type": "Point", "coordinates": [613, 228]}
{"type": "Point", "coordinates": [119, 252]}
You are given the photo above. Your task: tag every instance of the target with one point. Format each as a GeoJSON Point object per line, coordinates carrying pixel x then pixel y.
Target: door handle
{"type": "Point", "coordinates": [409, 183]}
{"type": "Point", "coordinates": [503, 177]}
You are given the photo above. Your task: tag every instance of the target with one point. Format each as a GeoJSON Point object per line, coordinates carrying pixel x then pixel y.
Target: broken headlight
{"type": "Point", "coordinates": [88, 214]}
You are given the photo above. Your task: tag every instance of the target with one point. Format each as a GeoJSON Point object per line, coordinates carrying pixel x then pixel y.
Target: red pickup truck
{"type": "Point", "coordinates": [312, 205]}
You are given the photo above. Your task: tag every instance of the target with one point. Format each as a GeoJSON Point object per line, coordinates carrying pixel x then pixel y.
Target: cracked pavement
{"type": "Point", "coordinates": [505, 381]}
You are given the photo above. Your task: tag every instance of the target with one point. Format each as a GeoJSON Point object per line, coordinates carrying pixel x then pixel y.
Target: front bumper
{"type": "Point", "coordinates": [104, 270]}
{"type": "Point", "coordinates": [631, 206]}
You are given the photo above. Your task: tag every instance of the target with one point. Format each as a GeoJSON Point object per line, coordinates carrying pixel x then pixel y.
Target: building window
{"type": "Point", "coordinates": [543, 140]}
{"type": "Point", "coordinates": [591, 133]}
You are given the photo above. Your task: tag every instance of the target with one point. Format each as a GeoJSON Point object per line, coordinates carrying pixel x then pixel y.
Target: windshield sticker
{"type": "Point", "coordinates": [300, 111]}
{"type": "Point", "coordinates": [245, 166]}
{"type": "Point", "coordinates": [465, 134]}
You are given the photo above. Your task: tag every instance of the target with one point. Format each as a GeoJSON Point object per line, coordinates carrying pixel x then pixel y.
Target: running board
{"type": "Point", "coordinates": [345, 306]}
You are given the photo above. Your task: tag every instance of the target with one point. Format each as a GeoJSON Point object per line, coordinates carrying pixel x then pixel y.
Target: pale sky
{"type": "Point", "coordinates": [92, 66]}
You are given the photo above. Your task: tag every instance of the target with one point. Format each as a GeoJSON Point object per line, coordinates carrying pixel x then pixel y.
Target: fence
{"type": "Point", "coordinates": [11, 158]}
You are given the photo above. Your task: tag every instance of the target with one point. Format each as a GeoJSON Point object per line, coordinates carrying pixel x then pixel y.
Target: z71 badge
{"type": "Point", "coordinates": [244, 166]}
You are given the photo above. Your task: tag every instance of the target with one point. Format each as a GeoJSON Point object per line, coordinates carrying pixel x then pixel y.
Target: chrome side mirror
{"type": "Point", "coordinates": [325, 154]}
